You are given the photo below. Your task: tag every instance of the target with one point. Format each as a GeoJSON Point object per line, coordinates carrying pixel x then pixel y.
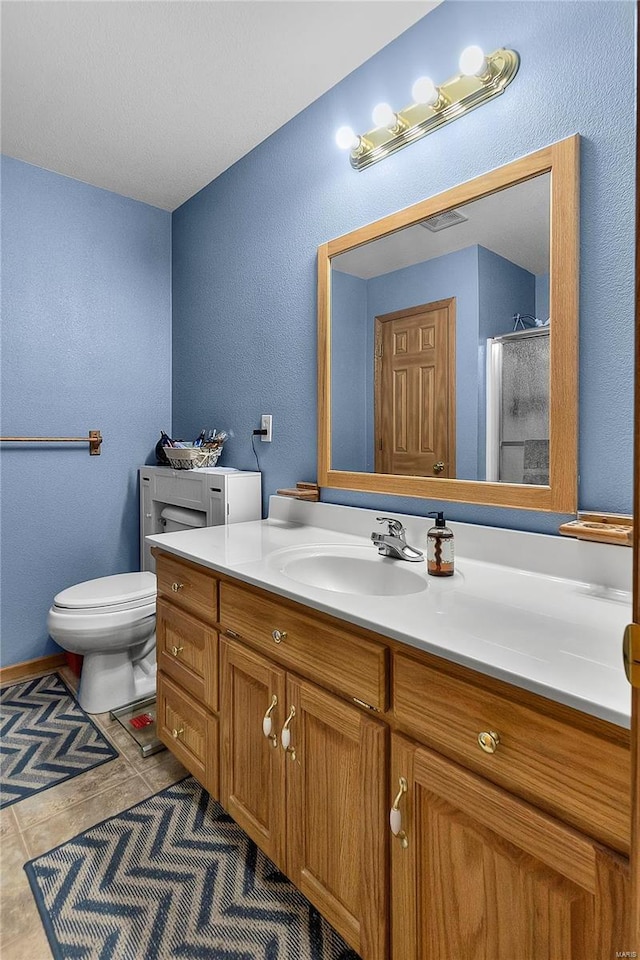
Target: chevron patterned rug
{"type": "Point", "coordinates": [174, 877]}
{"type": "Point", "coordinates": [45, 738]}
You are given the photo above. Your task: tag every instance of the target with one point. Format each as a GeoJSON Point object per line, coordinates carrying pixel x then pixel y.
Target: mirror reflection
{"type": "Point", "coordinates": [440, 344]}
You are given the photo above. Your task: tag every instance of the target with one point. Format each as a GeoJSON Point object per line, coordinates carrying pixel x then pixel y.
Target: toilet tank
{"type": "Point", "coordinates": [173, 519]}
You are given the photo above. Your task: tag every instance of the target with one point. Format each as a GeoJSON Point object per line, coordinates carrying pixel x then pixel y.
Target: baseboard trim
{"type": "Point", "coordinates": [31, 668]}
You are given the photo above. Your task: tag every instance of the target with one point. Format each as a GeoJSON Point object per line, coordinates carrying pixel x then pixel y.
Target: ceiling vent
{"type": "Point", "coordinates": [440, 221]}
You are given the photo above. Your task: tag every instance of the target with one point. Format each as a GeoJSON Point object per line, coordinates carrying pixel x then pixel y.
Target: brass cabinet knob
{"type": "Point", "coordinates": [176, 587]}
{"type": "Point", "coordinates": [438, 467]}
{"type": "Point", "coordinates": [177, 733]}
{"type": "Point", "coordinates": [176, 651]}
{"type": "Point", "coordinates": [279, 635]}
{"type": "Point", "coordinates": [489, 741]}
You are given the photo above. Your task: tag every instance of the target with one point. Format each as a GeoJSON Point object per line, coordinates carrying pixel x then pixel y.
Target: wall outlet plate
{"type": "Point", "coordinates": [266, 423]}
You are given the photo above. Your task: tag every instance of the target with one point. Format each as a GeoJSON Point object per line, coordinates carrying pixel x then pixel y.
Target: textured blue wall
{"type": "Point", "coordinates": [86, 288]}
{"type": "Point", "coordinates": [244, 248]}
{"type": "Point", "coordinates": [542, 296]}
{"type": "Point", "coordinates": [504, 290]}
{"type": "Point", "coordinates": [350, 372]}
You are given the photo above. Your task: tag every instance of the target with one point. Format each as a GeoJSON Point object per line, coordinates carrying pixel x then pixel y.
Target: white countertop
{"type": "Point", "coordinates": [557, 635]}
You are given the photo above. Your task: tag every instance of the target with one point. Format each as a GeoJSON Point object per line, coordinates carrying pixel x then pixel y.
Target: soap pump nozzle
{"type": "Point", "coordinates": [439, 515]}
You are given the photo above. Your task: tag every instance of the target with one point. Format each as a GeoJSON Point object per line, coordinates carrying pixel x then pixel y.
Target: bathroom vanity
{"type": "Point", "coordinates": [444, 771]}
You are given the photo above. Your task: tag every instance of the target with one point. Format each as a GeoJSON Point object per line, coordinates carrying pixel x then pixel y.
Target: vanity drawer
{"type": "Point", "coordinates": [189, 731]}
{"type": "Point", "coordinates": [308, 644]}
{"type": "Point", "coordinates": [188, 652]}
{"type": "Point", "coordinates": [573, 770]}
{"type": "Point", "coordinates": [191, 587]}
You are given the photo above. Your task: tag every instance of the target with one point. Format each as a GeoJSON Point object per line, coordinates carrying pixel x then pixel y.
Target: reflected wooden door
{"type": "Point", "coordinates": [415, 391]}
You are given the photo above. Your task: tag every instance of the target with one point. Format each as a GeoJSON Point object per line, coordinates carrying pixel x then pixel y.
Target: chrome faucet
{"type": "Point", "coordinates": [393, 543]}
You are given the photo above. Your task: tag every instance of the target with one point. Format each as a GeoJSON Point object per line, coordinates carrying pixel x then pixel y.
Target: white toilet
{"type": "Point", "coordinates": [111, 621]}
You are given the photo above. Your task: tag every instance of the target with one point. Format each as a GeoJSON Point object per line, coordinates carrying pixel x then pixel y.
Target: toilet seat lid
{"type": "Point", "coordinates": [132, 589]}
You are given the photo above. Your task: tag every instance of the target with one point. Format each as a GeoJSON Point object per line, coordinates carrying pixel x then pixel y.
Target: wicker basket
{"type": "Point", "coordinates": [188, 458]}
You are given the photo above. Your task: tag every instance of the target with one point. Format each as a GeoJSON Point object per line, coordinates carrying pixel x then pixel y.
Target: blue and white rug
{"type": "Point", "coordinates": [174, 877]}
{"type": "Point", "coordinates": [45, 738]}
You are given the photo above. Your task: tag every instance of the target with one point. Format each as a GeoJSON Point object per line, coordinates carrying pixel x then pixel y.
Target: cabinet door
{"type": "Point", "coordinates": [336, 816]}
{"type": "Point", "coordinates": [189, 731]}
{"type": "Point", "coordinates": [479, 874]}
{"type": "Point", "coordinates": [252, 767]}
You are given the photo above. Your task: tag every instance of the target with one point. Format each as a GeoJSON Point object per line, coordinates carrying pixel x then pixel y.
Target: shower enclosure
{"type": "Point", "coordinates": [517, 437]}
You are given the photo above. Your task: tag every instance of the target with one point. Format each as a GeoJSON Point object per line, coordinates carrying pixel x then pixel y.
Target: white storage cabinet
{"type": "Point", "coordinates": [211, 495]}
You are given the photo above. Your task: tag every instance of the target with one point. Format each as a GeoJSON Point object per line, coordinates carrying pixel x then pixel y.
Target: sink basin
{"type": "Point", "coordinates": [349, 569]}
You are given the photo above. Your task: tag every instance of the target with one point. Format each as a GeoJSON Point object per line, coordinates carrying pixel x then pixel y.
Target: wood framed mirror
{"type": "Point", "coordinates": [448, 356]}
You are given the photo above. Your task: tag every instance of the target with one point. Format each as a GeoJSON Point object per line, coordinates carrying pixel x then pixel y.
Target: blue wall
{"type": "Point", "coordinates": [86, 287]}
{"type": "Point", "coordinates": [542, 311]}
{"type": "Point", "coordinates": [244, 248]}
{"type": "Point", "coordinates": [351, 369]}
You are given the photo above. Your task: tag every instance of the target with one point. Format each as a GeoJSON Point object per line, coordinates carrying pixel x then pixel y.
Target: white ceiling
{"type": "Point", "coordinates": [514, 223]}
{"type": "Point", "coordinates": [155, 98]}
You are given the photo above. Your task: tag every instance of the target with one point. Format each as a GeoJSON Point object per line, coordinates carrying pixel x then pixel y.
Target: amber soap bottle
{"type": "Point", "coordinates": [440, 560]}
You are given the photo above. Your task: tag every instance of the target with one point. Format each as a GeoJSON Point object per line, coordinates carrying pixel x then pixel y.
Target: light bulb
{"type": "Point", "coordinates": [472, 61]}
{"type": "Point", "coordinates": [383, 115]}
{"type": "Point", "coordinates": [347, 139]}
{"type": "Point", "coordinates": [425, 91]}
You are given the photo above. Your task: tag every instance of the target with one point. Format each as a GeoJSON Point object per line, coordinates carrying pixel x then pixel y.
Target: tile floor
{"type": "Point", "coordinates": [35, 825]}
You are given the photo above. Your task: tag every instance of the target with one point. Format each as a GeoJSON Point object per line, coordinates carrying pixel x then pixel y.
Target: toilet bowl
{"type": "Point", "coordinates": [111, 622]}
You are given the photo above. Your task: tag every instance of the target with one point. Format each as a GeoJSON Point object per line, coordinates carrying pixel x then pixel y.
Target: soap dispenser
{"type": "Point", "coordinates": [439, 548]}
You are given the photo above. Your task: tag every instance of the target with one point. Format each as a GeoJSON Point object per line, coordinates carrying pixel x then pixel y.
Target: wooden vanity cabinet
{"type": "Point", "coordinates": [480, 874]}
{"type": "Point", "coordinates": [318, 808]}
{"type": "Point", "coordinates": [514, 852]}
{"type": "Point", "coordinates": [187, 655]}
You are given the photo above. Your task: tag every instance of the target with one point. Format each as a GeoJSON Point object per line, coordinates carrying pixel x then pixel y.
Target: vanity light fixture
{"type": "Point", "coordinates": [481, 78]}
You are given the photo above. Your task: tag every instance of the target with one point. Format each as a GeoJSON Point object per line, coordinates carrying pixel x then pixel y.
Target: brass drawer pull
{"type": "Point", "coordinates": [279, 635]}
{"type": "Point", "coordinates": [489, 741]}
{"type": "Point", "coordinates": [285, 736]}
{"type": "Point", "coordinates": [176, 734]}
{"type": "Point", "coordinates": [176, 651]}
{"type": "Point", "coordinates": [395, 817]}
{"type": "Point", "coordinates": [176, 587]}
{"type": "Point", "coordinates": [267, 723]}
